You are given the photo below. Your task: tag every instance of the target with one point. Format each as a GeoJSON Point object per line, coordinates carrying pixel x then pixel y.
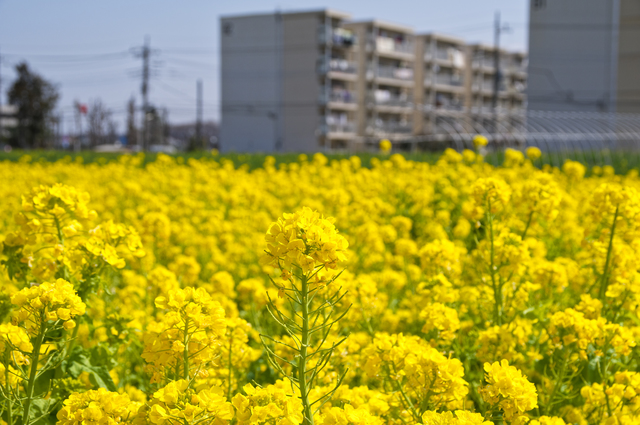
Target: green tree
{"type": "Point", "coordinates": [36, 99]}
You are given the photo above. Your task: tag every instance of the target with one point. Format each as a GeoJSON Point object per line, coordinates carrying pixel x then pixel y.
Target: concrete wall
{"type": "Point", "coordinates": [571, 43]}
{"type": "Point", "coordinates": [301, 84]}
{"type": "Point", "coordinates": [628, 90]}
{"type": "Point", "coordinates": [251, 64]}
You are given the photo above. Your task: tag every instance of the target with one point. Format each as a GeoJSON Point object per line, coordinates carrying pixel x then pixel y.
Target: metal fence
{"type": "Point", "coordinates": [549, 131]}
{"type": "Point", "coordinates": [589, 137]}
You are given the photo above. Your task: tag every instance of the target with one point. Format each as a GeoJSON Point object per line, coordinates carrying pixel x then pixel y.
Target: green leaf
{"type": "Point", "coordinates": [41, 409]}
{"type": "Point", "coordinates": [80, 361]}
{"type": "Point", "coordinates": [43, 383]}
{"type": "Point", "coordinates": [103, 355]}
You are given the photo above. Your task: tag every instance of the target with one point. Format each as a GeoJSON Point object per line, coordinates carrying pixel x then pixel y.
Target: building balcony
{"type": "Point", "coordinates": [443, 54]}
{"type": "Point", "coordinates": [449, 57]}
{"type": "Point", "coordinates": [518, 69]}
{"type": "Point", "coordinates": [334, 98]}
{"type": "Point", "coordinates": [338, 129]}
{"type": "Point", "coordinates": [337, 65]}
{"type": "Point", "coordinates": [449, 80]}
{"type": "Point", "coordinates": [387, 98]}
{"type": "Point", "coordinates": [336, 37]}
{"type": "Point", "coordinates": [386, 45]}
{"type": "Point", "coordinates": [485, 86]}
{"type": "Point", "coordinates": [444, 109]}
{"type": "Point", "coordinates": [394, 73]}
{"type": "Point", "coordinates": [484, 63]}
{"type": "Point", "coordinates": [389, 127]}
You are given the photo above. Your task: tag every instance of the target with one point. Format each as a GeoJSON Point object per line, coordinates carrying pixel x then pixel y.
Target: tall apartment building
{"type": "Point", "coordinates": [310, 81]}
{"type": "Point", "coordinates": [510, 99]}
{"type": "Point", "coordinates": [584, 55]}
{"type": "Point", "coordinates": [386, 80]}
{"type": "Point", "coordinates": [287, 81]}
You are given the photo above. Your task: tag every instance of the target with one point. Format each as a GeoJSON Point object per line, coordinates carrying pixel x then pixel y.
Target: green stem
{"type": "Point", "coordinates": [406, 398]}
{"type": "Point", "coordinates": [302, 360]}
{"type": "Point", "coordinates": [230, 369]}
{"type": "Point", "coordinates": [497, 288]}
{"type": "Point", "coordinates": [185, 373]}
{"type": "Point", "coordinates": [557, 383]}
{"type": "Point", "coordinates": [74, 335]}
{"type": "Point", "coordinates": [605, 280]}
{"type": "Point", "coordinates": [65, 272]}
{"type": "Point", "coordinates": [604, 387]}
{"type": "Point", "coordinates": [34, 370]}
{"type": "Point", "coordinates": [7, 358]}
{"type": "Point", "coordinates": [526, 228]}
{"type": "Point", "coordinates": [60, 235]}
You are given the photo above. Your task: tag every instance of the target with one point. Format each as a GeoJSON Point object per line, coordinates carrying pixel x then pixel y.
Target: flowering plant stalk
{"type": "Point", "coordinates": [491, 196]}
{"type": "Point", "coordinates": [305, 247]}
{"type": "Point", "coordinates": [44, 311]}
{"type": "Point", "coordinates": [58, 264]}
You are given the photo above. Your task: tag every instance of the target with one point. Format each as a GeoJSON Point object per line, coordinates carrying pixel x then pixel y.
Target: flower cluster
{"type": "Point", "coordinates": [572, 327]}
{"type": "Point", "coordinates": [507, 389]}
{"type": "Point", "coordinates": [533, 153]}
{"type": "Point", "coordinates": [49, 301]}
{"type": "Point", "coordinates": [183, 342]}
{"type": "Point", "coordinates": [98, 407]}
{"type": "Point", "coordinates": [57, 237]}
{"type": "Point", "coordinates": [385, 146]}
{"type": "Point", "coordinates": [430, 376]}
{"type": "Point", "coordinates": [439, 317]}
{"type": "Point", "coordinates": [177, 404]}
{"type": "Point", "coordinates": [348, 416]}
{"type": "Point", "coordinates": [490, 194]}
{"type": "Point", "coordinates": [276, 404]}
{"type": "Point", "coordinates": [480, 141]}
{"type": "Point", "coordinates": [306, 240]}
{"type": "Point", "coordinates": [14, 341]}
{"type": "Point", "coordinates": [460, 417]}
{"type": "Point", "coordinates": [621, 399]}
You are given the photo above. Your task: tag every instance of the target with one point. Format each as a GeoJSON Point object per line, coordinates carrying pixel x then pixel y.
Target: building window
{"type": "Point", "coordinates": [227, 28]}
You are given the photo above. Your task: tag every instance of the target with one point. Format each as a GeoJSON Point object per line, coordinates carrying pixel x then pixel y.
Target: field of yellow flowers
{"type": "Point", "coordinates": [319, 292]}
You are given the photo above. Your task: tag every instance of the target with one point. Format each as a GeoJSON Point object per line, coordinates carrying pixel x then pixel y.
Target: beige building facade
{"type": "Point", "coordinates": [331, 83]}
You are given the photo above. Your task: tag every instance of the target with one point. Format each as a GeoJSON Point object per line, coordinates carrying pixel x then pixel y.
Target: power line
{"type": "Point", "coordinates": [70, 58]}
{"type": "Point", "coordinates": [173, 90]}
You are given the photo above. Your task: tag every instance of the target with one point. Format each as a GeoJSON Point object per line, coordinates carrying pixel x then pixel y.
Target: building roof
{"type": "Point", "coordinates": [444, 37]}
{"type": "Point", "coordinates": [384, 25]}
{"type": "Point", "coordinates": [329, 12]}
{"type": "Point", "coordinates": [488, 48]}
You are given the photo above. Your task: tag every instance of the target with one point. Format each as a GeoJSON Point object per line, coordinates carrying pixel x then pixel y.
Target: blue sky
{"type": "Point", "coordinates": [85, 46]}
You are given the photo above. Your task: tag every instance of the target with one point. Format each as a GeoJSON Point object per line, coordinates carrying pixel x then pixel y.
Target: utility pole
{"type": "Point", "coordinates": [144, 53]}
{"type": "Point", "coordinates": [61, 129]}
{"type": "Point", "coordinates": [145, 91]}
{"type": "Point", "coordinates": [1, 131]}
{"type": "Point", "coordinates": [78, 116]}
{"type": "Point", "coordinates": [199, 138]}
{"type": "Point", "coordinates": [498, 29]}
{"type": "Point", "coordinates": [165, 127]}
